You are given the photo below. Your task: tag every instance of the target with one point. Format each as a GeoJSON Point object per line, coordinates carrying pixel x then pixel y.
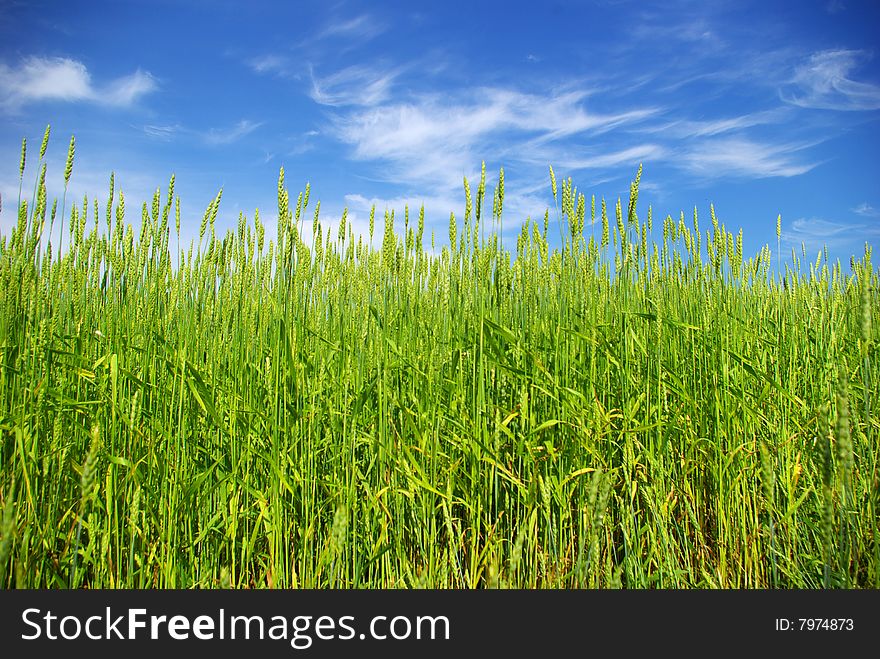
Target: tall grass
{"type": "Point", "coordinates": [612, 412]}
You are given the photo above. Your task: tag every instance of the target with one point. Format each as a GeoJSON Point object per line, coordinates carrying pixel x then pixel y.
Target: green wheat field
{"type": "Point", "coordinates": [305, 410]}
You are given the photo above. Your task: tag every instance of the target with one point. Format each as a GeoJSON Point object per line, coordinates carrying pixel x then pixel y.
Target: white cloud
{"type": "Point", "coordinates": [629, 156]}
{"type": "Point", "coordinates": [431, 142]}
{"type": "Point", "coordinates": [125, 91]}
{"type": "Point", "coordinates": [435, 140]}
{"type": "Point", "coordinates": [230, 135]}
{"type": "Point", "coordinates": [689, 25]}
{"type": "Point", "coordinates": [213, 136]}
{"type": "Point", "coordinates": [865, 209]}
{"type": "Point", "coordinates": [340, 35]}
{"type": "Point", "coordinates": [739, 156]}
{"type": "Point", "coordinates": [302, 143]}
{"type": "Point", "coordinates": [41, 78]}
{"type": "Point", "coordinates": [362, 28]}
{"type": "Point", "coordinates": [63, 79]}
{"type": "Point", "coordinates": [164, 133]}
{"type": "Point", "coordinates": [353, 85]}
{"type": "Point", "coordinates": [819, 228]}
{"type": "Point", "coordinates": [268, 64]}
{"type": "Point", "coordinates": [814, 234]}
{"type": "Point", "coordinates": [824, 83]}
{"type": "Point", "coordinates": [683, 128]}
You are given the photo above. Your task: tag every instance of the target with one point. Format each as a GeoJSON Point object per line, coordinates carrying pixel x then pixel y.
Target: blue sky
{"type": "Point", "coordinates": [758, 107]}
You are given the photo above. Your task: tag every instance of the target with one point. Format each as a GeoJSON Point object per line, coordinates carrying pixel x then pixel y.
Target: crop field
{"type": "Point", "coordinates": [609, 405]}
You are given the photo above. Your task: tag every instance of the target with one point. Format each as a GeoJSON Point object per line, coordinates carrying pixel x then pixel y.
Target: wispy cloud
{"type": "Point", "coordinates": [684, 128]}
{"type": "Point", "coordinates": [743, 157]}
{"type": "Point", "coordinates": [819, 228]}
{"type": "Point", "coordinates": [338, 35]}
{"type": "Point", "coordinates": [268, 64]}
{"type": "Point", "coordinates": [815, 233]}
{"type": "Point", "coordinates": [125, 91]}
{"type": "Point", "coordinates": [656, 24]}
{"type": "Point", "coordinates": [353, 85]}
{"type": "Point", "coordinates": [824, 82]}
{"type": "Point", "coordinates": [435, 138]}
{"type": "Point", "coordinates": [233, 134]}
{"type": "Point", "coordinates": [164, 133]}
{"type": "Point", "coordinates": [37, 79]}
{"type": "Point", "coordinates": [302, 143]}
{"type": "Point", "coordinates": [629, 156]}
{"type": "Point", "coordinates": [361, 28]}
{"type": "Point", "coordinates": [213, 136]}
{"type": "Point", "coordinates": [866, 210]}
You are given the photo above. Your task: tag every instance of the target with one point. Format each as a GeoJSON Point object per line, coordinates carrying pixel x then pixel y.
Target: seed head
{"type": "Point", "coordinates": [23, 157]}
{"type": "Point", "coordinates": [339, 530]}
{"type": "Point", "coordinates": [68, 168]}
{"type": "Point", "coordinates": [500, 190]}
{"type": "Point", "coordinates": [605, 230]}
{"type": "Point", "coordinates": [342, 224]}
{"type": "Point", "coordinates": [842, 432]}
{"type": "Point", "coordinates": [768, 473]}
{"type": "Point", "coordinates": [215, 207]}
{"type": "Point", "coordinates": [90, 466]}
{"type": "Point", "coordinates": [45, 142]}
{"type": "Point", "coordinates": [452, 229]}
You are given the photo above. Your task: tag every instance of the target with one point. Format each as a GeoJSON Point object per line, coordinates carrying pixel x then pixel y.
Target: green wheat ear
{"type": "Point", "coordinates": [452, 230]}
{"type": "Point", "coordinates": [68, 168]}
{"type": "Point", "coordinates": [342, 221]}
{"type": "Point", "coordinates": [87, 489]}
{"type": "Point", "coordinates": [23, 158]}
{"type": "Point", "coordinates": [827, 472]}
{"type": "Point", "coordinates": [339, 529]}
{"type": "Point", "coordinates": [45, 142]}
{"type": "Point", "coordinates": [768, 473]}
{"type": "Point", "coordinates": [842, 431]}
{"type": "Point", "coordinates": [225, 578]}
{"type": "Point", "coordinates": [89, 469]}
